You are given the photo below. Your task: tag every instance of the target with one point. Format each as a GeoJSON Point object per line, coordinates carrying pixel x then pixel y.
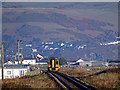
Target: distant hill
{"type": "Point", "coordinates": [84, 23]}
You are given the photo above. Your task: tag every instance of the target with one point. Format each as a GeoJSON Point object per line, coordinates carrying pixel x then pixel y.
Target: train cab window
{"type": "Point", "coordinates": [56, 62]}
{"type": "Point", "coordinates": [50, 62]}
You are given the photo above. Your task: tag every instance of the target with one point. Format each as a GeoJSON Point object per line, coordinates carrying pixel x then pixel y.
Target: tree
{"type": "Point", "coordinates": [62, 61]}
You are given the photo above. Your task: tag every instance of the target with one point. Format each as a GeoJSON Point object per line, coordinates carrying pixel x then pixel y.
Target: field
{"type": "Point", "coordinates": [98, 77]}
{"type": "Point", "coordinates": [37, 81]}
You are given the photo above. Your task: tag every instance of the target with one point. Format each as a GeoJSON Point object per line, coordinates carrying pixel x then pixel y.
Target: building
{"type": "Point", "coordinates": [16, 61]}
{"type": "Point", "coordinates": [27, 61]}
{"type": "Point", "coordinates": [13, 71]}
{"type": "Point", "coordinates": [80, 62]}
{"type": "Point", "coordinates": [71, 62]}
{"type": "Point", "coordinates": [42, 62]}
{"type": "Point", "coordinates": [83, 62]}
{"type": "Point", "coordinates": [86, 63]}
{"type": "Point", "coordinates": [9, 63]}
{"type": "Point", "coordinates": [114, 63]}
{"type": "Point", "coordinates": [39, 56]}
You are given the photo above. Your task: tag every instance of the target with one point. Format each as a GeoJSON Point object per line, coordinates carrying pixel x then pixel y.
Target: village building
{"type": "Point", "coordinates": [13, 71]}
{"type": "Point", "coordinates": [114, 63]}
{"type": "Point", "coordinates": [86, 63]}
{"type": "Point", "coordinates": [71, 62]}
{"type": "Point", "coordinates": [42, 62]}
{"type": "Point", "coordinates": [80, 62]}
{"type": "Point", "coordinates": [9, 63]}
{"type": "Point", "coordinates": [29, 61]}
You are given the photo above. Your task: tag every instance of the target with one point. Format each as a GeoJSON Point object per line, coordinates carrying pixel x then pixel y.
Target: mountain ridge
{"type": "Point", "coordinates": [57, 25]}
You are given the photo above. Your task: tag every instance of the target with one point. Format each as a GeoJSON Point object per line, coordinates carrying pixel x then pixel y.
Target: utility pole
{"type": "Point", "coordinates": [2, 61]}
{"type": "Point", "coordinates": [18, 50]}
{"type": "Point", "coordinates": [21, 54]}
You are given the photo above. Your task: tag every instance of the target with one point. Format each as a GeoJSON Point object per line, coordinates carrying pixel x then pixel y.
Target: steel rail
{"type": "Point", "coordinates": [59, 81]}
{"type": "Point", "coordinates": [75, 82]}
{"type": "Point", "coordinates": [63, 82]}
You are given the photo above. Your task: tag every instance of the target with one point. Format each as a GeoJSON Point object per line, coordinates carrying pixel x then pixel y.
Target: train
{"type": "Point", "coordinates": [53, 64]}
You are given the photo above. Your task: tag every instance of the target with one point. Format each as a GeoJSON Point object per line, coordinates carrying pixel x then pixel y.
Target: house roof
{"type": "Point", "coordinates": [75, 64]}
{"type": "Point", "coordinates": [71, 62]}
{"type": "Point", "coordinates": [28, 58]}
{"type": "Point", "coordinates": [15, 66]}
{"type": "Point", "coordinates": [80, 60]}
{"type": "Point", "coordinates": [114, 61]}
{"type": "Point", "coordinates": [41, 61]}
{"type": "Point", "coordinates": [8, 61]}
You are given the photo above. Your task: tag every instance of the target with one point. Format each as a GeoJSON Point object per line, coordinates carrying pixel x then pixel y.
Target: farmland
{"type": "Point", "coordinates": [99, 77]}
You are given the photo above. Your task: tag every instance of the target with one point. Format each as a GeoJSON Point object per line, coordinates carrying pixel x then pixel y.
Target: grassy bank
{"type": "Point", "coordinates": [99, 77]}
{"type": "Point", "coordinates": [36, 81]}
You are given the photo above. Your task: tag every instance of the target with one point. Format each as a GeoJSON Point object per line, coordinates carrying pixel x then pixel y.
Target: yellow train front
{"type": "Point", "coordinates": [53, 64]}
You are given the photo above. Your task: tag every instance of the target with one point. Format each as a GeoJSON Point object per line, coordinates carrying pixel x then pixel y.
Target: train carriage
{"type": "Point", "coordinates": [53, 64]}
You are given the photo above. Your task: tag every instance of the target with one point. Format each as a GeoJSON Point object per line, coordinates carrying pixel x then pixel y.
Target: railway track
{"type": "Point", "coordinates": [67, 82]}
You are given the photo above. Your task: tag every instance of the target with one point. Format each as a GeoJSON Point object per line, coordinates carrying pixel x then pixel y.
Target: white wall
{"type": "Point", "coordinates": [33, 62]}
{"type": "Point", "coordinates": [85, 64]}
{"type": "Point", "coordinates": [13, 73]}
{"type": "Point", "coordinates": [9, 63]}
{"type": "Point", "coordinates": [41, 63]}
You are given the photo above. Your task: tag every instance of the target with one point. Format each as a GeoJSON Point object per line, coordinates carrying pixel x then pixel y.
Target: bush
{"type": "Point", "coordinates": [62, 61]}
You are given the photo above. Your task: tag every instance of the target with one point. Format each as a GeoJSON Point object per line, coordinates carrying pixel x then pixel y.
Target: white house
{"type": "Point", "coordinates": [86, 63]}
{"type": "Point", "coordinates": [71, 62]}
{"type": "Point", "coordinates": [39, 56]}
{"type": "Point", "coordinates": [30, 61]}
{"type": "Point", "coordinates": [9, 63]}
{"type": "Point", "coordinates": [75, 62]}
{"type": "Point", "coordinates": [80, 62]}
{"type": "Point", "coordinates": [16, 62]}
{"type": "Point", "coordinates": [83, 62]}
{"type": "Point", "coordinates": [41, 63]}
{"type": "Point", "coordinates": [13, 71]}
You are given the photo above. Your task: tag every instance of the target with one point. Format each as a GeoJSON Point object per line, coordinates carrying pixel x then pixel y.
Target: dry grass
{"type": "Point", "coordinates": [99, 77]}
{"type": "Point", "coordinates": [75, 72]}
{"type": "Point", "coordinates": [104, 80]}
{"type": "Point", "coordinates": [38, 81]}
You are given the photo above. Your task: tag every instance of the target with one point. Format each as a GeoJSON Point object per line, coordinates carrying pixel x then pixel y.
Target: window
{"type": "Point", "coordinates": [21, 72]}
{"type": "Point", "coordinates": [56, 62]}
{"type": "Point", "coordinates": [8, 72]}
{"type": "Point", "coordinates": [5, 76]}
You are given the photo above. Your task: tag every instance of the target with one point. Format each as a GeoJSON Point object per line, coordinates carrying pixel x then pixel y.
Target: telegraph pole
{"type": "Point", "coordinates": [21, 55]}
{"type": "Point", "coordinates": [18, 50]}
{"type": "Point", "coordinates": [2, 61]}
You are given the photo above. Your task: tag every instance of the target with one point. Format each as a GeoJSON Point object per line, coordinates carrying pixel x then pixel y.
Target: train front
{"type": "Point", "coordinates": [53, 64]}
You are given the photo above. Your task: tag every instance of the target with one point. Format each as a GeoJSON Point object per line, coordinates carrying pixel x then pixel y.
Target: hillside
{"type": "Point", "coordinates": [72, 23]}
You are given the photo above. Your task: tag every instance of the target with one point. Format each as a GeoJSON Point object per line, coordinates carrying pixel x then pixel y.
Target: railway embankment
{"type": "Point", "coordinates": [102, 78]}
